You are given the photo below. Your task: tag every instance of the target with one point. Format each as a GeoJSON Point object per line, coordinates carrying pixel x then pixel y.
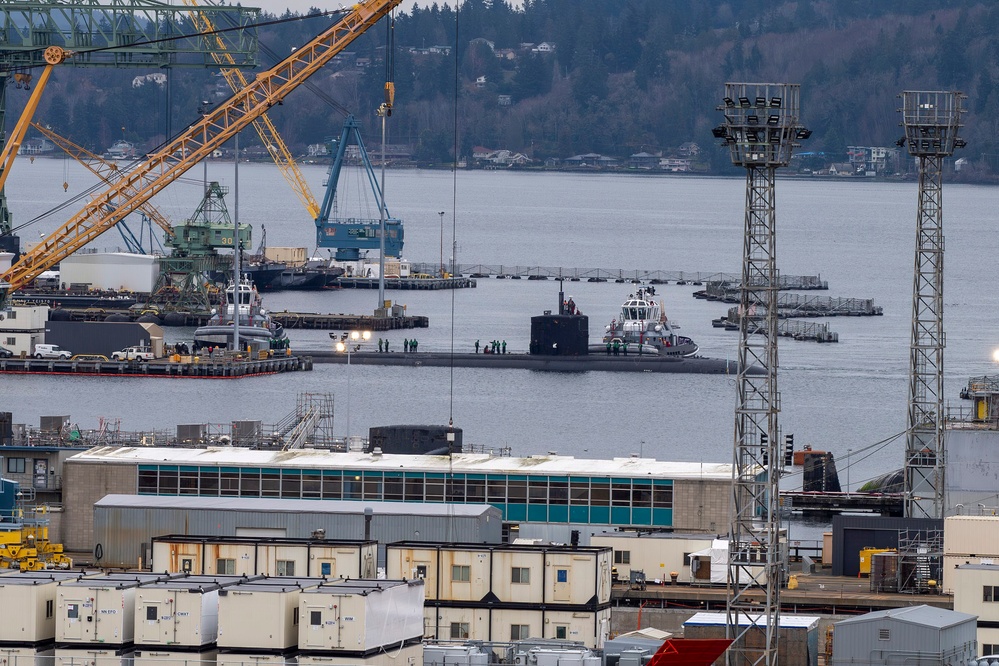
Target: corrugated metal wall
{"type": "Point", "coordinates": [124, 532]}
{"type": "Point", "coordinates": [861, 642]}
{"type": "Point", "coordinates": [851, 534]}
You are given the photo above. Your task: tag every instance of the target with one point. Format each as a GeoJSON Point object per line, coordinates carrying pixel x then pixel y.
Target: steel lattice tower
{"type": "Point", "coordinates": [761, 128]}
{"type": "Point", "coordinates": [932, 121]}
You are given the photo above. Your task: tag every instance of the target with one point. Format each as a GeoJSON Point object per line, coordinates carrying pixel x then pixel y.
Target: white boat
{"type": "Point", "coordinates": [255, 323]}
{"type": "Point", "coordinates": [644, 328]}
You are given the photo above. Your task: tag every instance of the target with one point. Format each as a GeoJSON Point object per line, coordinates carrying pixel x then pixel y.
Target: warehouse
{"type": "Point", "coordinates": [126, 524]}
{"type": "Point", "coordinates": [540, 496]}
{"type": "Point", "coordinates": [509, 592]}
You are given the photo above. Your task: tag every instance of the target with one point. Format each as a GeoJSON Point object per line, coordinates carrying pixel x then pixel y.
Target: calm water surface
{"type": "Point", "coordinates": [840, 397]}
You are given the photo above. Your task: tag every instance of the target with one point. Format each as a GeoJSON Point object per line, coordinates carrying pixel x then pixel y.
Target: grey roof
{"type": "Point", "coordinates": [358, 586]}
{"type": "Point", "coordinates": [926, 616]}
{"type": "Point", "coordinates": [274, 505]}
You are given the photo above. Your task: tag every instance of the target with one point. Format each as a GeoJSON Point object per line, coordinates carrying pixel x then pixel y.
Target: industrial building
{"type": "Point", "coordinates": [540, 496]}
{"type": "Point", "coordinates": [911, 635]}
{"type": "Point", "coordinates": [976, 592]}
{"type": "Point", "coordinates": [251, 556]}
{"type": "Point", "coordinates": [509, 592]}
{"type": "Point", "coordinates": [126, 524]}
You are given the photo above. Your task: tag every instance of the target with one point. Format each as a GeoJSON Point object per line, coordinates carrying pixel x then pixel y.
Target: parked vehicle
{"type": "Point", "coordinates": [51, 351]}
{"type": "Point", "coordinates": [134, 354]}
{"type": "Point", "coordinates": [5, 353]}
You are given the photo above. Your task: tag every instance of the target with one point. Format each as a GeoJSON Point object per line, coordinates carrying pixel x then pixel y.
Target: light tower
{"type": "Point", "coordinates": [761, 128]}
{"type": "Point", "coordinates": [932, 121]}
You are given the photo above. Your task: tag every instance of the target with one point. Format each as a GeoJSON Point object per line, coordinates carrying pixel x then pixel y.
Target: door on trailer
{"type": "Point", "coordinates": [323, 626]}
{"type": "Point", "coordinates": [76, 615]}
{"type": "Point", "coordinates": [149, 629]}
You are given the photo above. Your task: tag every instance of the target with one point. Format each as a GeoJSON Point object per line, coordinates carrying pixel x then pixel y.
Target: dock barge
{"type": "Point", "coordinates": [186, 367]}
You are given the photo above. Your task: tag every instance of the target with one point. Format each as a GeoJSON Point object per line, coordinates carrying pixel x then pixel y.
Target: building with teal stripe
{"type": "Point", "coordinates": [539, 496]}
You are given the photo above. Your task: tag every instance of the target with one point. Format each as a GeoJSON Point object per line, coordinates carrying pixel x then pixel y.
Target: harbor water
{"type": "Point", "coordinates": [848, 397]}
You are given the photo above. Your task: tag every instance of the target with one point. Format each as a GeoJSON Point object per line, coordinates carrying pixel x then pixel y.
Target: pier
{"type": "Point", "coordinates": [289, 320]}
{"type": "Point", "coordinates": [186, 367]}
{"type": "Point", "coordinates": [501, 271]}
{"type": "Point", "coordinates": [800, 305]}
{"type": "Point", "coordinates": [789, 328]}
{"type": "Point", "coordinates": [410, 283]}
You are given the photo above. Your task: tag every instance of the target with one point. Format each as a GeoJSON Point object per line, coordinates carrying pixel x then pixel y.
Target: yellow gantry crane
{"type": "Point", "coordinates": [195, 143]}
{"type": "Point", "coordinates": [109, 172]}
{"type": "Point", "coordinates": [54, 55]}
{"type": "Point", "coordinates": [265, 128]}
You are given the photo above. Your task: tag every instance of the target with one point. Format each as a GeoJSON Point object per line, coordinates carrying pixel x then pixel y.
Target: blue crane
{"type": "Point", "coordinates": [351, 235]}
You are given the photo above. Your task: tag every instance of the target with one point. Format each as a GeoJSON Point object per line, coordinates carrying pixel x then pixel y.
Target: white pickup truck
{"type": "Point", "coordinates": [134, 354]}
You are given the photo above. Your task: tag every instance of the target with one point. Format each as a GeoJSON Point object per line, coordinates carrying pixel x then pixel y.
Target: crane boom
{"type": "Point", "coordinates": [195, 143]}
{"type": "Point", "coordinates": [265, 128]}
{"type": "Point", "coordinates": [109, 172]}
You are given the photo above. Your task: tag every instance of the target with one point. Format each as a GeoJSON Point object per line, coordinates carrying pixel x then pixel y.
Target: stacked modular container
{"type": "Point", "coordinates": [27, 616]}
{"type": "Point", "coordinates": [258, 621]}
{"type": "Point", "coordinates": [360, 621]}
{"type": "Point", "coordinates": [510, 592]}
{"type": "Point", "coordinates": [95, 618]}
{"type": "Point", "coordinates": [251, 556]}
{"type": "Point", "coordinates": [176, 620]}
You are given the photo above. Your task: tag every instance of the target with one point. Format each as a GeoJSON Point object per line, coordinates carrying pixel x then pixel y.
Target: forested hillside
{"type": "Point", "coordinates": [556, 78]}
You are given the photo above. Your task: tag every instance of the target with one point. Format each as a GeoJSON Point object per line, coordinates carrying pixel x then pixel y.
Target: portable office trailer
{"type": "Point", "coordinates": [261, 615]}
{"type": "Point", "coordinates": [658, 555]}
{"type": "Point", "coordinates": [251, 659]}
{"type": "Point", "coordinates": [247, 555]}
{"type": "Point", "coordinates": [126, 524]}
{"type": "Point", "coordinates": [26, 656]}
{"type": "Point", "coordinates": [969, 540]}
{"type": "Point", "coordinates": [98, 609]}
{"type": "Point", "coordinates": [408, 654]}
{"type": "Point", "coordinates": [158, 657]}
{"type": "Point", "coordinates": [360, 617]}
{"type": "Point", "coordinates": [92, 656]}
{"type": "Point", "coordinates": [453, 623]}
{"type": "Point", "coordinates": [509, 573]}
{"type": "Point", "coordinates": [27, 607]}
{"type": "Point", "coordinates": [180, 613]}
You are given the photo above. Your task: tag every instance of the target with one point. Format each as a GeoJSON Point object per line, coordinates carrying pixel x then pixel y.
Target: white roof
{"type": "Point", "coordinates": [461, 463]}
{"type": "Point", "coordinates": [719, 619]}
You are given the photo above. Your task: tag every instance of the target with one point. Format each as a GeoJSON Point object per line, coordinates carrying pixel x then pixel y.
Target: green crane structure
{"type": "Point", "coordinates": [112, 33]}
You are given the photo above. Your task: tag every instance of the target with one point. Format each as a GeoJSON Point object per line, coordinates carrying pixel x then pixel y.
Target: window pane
{"type": "Point", "coordinates": [393, 488]}
{"type": "Point", "coordinates": [249, 484]}
{"type": "Point", "coordinates": [229, 484]}
{"type": "Point", "coordinates": [168, 482]}
{"type": "Point", "coordinates": [332, 487]}
{"type": "Point", "coordinates": [599, 494]}
{"type": "Point", "coordinates": [414, 490]}
{"type": "Point", "coordinates": [496, 491]}
{"type": "Point", "coordinates": [517, 491]}
{"type": "Point", "coordinates": [558, 492]}
{"type": "Point", "coordinates": [579, 493]}
{"type": "Point", "coordinates": [312, 484]}
{"type": "Point", "coordinates": [621, 493]}
{"type": "Point", "coordinates": [475, 490]}
{"type": "Point", "coordinates": [291, 486]}
{"type": "Point", "coordinates": [189, 483]}
{"type": "Point", "coordinates": [662, 497]}
{"type": "Point", "coordinates": [148, 480]}
{"type": "Point", "coordinates": [435, 490]}
{"type": "Point", "coordinates": [373, 487]}
{"type": "Point", "coordinates": [270, 484]}
{"type": "Point", "coordinates": [352, 487]}
{"type": "Point", "coordinates": [641, 496]}
{"type": "Point", "coordinates": [537, 490]}
{"type": "Point", "coordinates": [209, 481]}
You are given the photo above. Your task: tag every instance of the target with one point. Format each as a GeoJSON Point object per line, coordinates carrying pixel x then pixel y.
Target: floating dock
{"type": "Point", "coordinates": [432, 283]}
{"type": "Point", "coordinates": [588, 363]}
{"type": "Point", "coordinates": [187, 367]}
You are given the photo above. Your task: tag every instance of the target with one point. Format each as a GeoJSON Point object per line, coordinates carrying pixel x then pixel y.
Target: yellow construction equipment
{"type": "Point", "coordinates": [272, 141]}
{"type": "Point", "coordinates": [54, 55]}
{"type": "Point", "coordinates": [109, 172]}
{"type": "Point", "coordinates": [196, 143]}
{"type": "Point", "coordinates": [25, 545]}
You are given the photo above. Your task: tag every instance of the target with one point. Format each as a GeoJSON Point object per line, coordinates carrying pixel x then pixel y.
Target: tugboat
{"type": "Point", "coordinates": [644, 328]}
{"type": "Point", "coordinates": [255, 324]}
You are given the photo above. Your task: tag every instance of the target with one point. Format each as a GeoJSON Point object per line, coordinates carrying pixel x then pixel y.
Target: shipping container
{"type": "Point", "coordinates": [360, 616]}
{"type": "Point", "coordinates": [181, 613]}
{"type": "Point", "coordinates": [27, 656]}
{"type": "Point", "coordinates": [255, 659]}
{"type": "Point", "coordinates": [111, 270]}
{"type": "Point", "coordinates": [261, 615]}
{"type": "Point", "coordinates": [98, 609]}
{"type": "Point", "coordinates": [27, 606]}
{"type": "Point", "coordinates": [976, 536]}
